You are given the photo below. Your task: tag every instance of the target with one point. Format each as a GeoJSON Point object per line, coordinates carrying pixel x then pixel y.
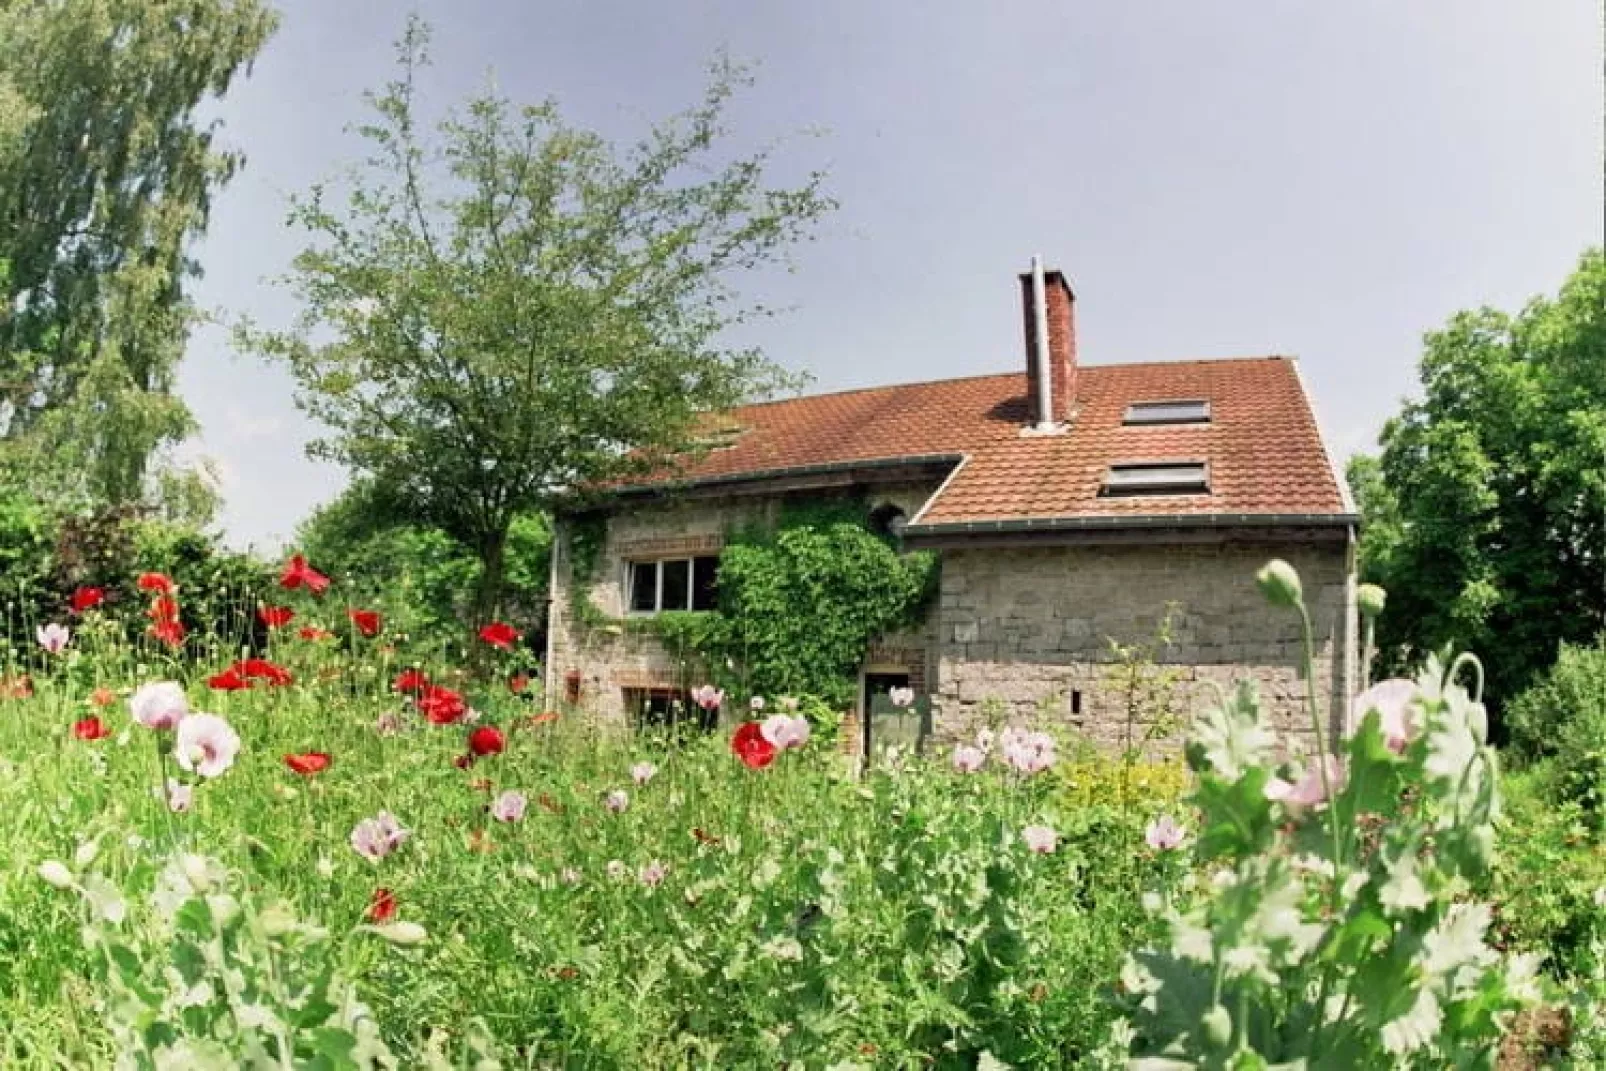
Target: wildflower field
{"type": "Point", "coordinates": [338, 852]}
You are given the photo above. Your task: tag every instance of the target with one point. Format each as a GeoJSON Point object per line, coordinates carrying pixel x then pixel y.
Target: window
{"type": "Point", "coordinates": [1157, 478]}
{"type": "Point", "coordinates": [1185, 412]}
{"type": "Point", "coordinates": [674, 584]}
{"type": "Point", "coordinates": [666, 706]}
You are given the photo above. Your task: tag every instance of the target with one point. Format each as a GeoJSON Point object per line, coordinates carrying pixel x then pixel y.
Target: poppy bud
{"type": "Point", "coordinates": [405, 934]}
{"type": "Point", "coordinates": [1279, 583]}
{"type": "Point", "coordinates": [55, 872]}
{"type": "Point", "coordinates": [1369, 599]}
{"type": "Point", "coordinates": [1217, 1026]}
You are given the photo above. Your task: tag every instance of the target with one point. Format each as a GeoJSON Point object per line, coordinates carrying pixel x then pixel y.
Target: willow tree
{"type": "Point", "coordinates": [506, 309]}
{"type": "Point", "coordinates": [107, 175]}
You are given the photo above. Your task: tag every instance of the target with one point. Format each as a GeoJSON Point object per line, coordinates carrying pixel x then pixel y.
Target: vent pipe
{"type": "Point", "coordinates": [1045, 379]}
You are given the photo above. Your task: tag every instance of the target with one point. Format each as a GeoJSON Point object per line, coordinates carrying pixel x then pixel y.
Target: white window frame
{"type": "Point", "coordinates": [658, 584]}
{"type": "Point", "coordinates": [1136, 417]}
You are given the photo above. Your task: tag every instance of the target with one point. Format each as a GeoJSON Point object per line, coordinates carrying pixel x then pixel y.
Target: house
{"type": "Point", "coordinates": [1070, 504]}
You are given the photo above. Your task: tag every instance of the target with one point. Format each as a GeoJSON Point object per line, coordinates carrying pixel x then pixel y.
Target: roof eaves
{"type": "Point", "coordinates": [1139, 521]}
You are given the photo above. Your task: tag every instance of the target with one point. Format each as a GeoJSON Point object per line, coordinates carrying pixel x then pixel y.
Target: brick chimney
{"type": "Point", "coordinates": [1060, 316]}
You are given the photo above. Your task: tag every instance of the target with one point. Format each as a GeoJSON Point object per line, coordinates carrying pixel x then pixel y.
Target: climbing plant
{"type": "Point", "coordinates": [801, 605]}
{"type": "Point", "coordinates": [799, 600]}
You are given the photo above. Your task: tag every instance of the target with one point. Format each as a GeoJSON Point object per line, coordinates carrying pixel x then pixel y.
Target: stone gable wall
{"type": "Point", "coordinates": [1023, 633]}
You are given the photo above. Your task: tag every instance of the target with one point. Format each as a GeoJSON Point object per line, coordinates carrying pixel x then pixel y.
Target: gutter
{"type": "Point", "coordinates": [1138, 522]}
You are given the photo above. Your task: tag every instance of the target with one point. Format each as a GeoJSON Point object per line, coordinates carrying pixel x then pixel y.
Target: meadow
{"type": "Point", "coordinates": [336, 851]}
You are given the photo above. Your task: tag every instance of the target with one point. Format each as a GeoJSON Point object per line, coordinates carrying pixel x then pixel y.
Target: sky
{"type": "Point", "coordinates": [1326, 181]}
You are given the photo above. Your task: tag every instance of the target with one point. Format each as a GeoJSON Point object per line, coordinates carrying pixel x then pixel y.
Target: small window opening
{"type": "Point", "coordinates": [1157, 478]}
{"type": "Point", "coordinates": [1181, 412]}
{"type": "Point", "coordinates": [1076, 701]}
{"type": "Point", "coordinates": [888, 520]}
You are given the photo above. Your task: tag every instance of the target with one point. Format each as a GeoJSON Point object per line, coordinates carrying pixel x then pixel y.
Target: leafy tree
{"type": "Point", "coordinates": [421, 574]}
{"type": "Point", "coordinates": [1486, 511]}
{"type": "Point", "coordinates": [514, 310]}
{"type": "Point", "coordinates": [106, 177]}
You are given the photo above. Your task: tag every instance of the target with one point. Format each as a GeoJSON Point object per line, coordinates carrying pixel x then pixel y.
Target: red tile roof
{"type": "Point", "coordinates": [1262, 445]}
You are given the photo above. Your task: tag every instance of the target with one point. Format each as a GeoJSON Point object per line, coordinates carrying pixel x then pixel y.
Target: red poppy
{"type": "Point", "coordinates": [519, 683]}
{"type": "Point", "coordinates": [86, 598]}
{"type": "Point", "coordinates": [500, 634]}
{"type": "Point", "coordinates": [230, 680]}
{"type": "Point", "coordinates": [275, 616]}
{"type": "Point", "coordinates": [298, 574]}
{"type": "Point", "coordinates": [381, 906]}
{"type": "Point", "coordinates": [262, 669]}
{"type": "Point", "coordinates": [169, 632]}
{"type": "Point", "coordinates": [411, 681]}
{"type": "Point", "coordinates": [308, 762]}
{"type": "Point", "coordinates": [441, 706]}
{"type": "Point", "coordinates": [312, 632]}
{"type": "Point", "coordinates": [90, 729]}
{"type": "Point", "coordinates": [163, 608]}
{"type": "Point", "coordinates": [750, 746]}
{"type": "Point", "coordinates": [102, 697]}
{"type": "Point", "coordinates": [159, 582]}
{"type": "Point", "coordinates": [368, 622]}
{"type": "Point", "coordinates": [463, 761]}
{"type": "Point", "coordinates": [486, 740]}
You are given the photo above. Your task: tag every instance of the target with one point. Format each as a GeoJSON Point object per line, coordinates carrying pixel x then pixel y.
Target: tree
{"type": "Point", "coordinates": [106, 178]}
{"type": "Point", "coordinates": [419, 574]}
{"type": "Point", "coordinates": [515, 311]}
{"type": "Point", "coordinates": [1486, 511]}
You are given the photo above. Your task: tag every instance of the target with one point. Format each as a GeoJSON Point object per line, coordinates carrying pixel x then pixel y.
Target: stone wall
{"type": "Point", "coordinates": [1025, 632]}
{"type": "Point", "coordinates": [607, 661]}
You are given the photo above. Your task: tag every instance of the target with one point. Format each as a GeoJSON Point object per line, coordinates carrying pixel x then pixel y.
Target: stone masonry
{"type": "Point", "coordinates": [1025, 632]}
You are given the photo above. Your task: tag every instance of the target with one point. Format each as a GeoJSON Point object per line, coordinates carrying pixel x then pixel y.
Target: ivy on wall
{"type": "Point", "coordinates": [802, 606]}
{"type": "Point", "coordinates": [799, 601]}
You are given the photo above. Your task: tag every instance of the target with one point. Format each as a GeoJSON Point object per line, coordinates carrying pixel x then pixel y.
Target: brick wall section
{"type": "Point", "coordinates": [1061, 314]}
{"type": "Point", "coordinates": [1025, 627]}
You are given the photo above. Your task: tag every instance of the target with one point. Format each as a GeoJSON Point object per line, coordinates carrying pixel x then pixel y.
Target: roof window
{"type": "Point", "coordinates": [1157, 478]}
{"type": "Point", "coordinates": [1180, 412]}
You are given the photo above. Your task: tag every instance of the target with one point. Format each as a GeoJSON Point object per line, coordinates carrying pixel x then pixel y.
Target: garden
{"type": "Point", "coordinates": [324, 845]}
{"type": "Point", "coordinates": [313, 808]}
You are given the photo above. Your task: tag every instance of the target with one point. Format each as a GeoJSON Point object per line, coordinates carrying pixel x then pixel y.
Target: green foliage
{"type": "Point", "coordinates": [513, 310]}
{"type": "Point", "coordinates": [420, 576]}
{"type": "Point", "coordinates": [802, 606]}
{"type": "Point", "coordinates": [1548, 883]}
{"type": "Point", "coordinates": [1563, 715]}
{"type": "Point", "coordinates": [806, 916]}
{"type": "Point", "coordinates": [1486, 512]}
{"type": "Point", "coordinates": [107, 175]}
{"type": "Point", "coordinates": [1334, 931]}
{"type": "Point", "coordinates": [205, 977]}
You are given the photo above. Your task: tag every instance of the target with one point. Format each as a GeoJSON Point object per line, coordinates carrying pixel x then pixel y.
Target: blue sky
{"type": "Point", "coordinates": [1328, 181]}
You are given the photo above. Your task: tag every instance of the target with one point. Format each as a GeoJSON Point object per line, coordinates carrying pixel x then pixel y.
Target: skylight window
{"type": "Point", "coordinates": [1181, 412]}
{"type": "Point", "coordinates": [1158, 478]}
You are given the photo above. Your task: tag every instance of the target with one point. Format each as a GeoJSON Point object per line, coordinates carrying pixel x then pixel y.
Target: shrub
{"type": "Point", "coordinates": [1563, 715]}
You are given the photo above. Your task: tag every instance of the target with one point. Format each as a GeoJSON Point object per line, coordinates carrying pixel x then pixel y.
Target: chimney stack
{"type": "Point", "coordinates": [1050, 399]}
